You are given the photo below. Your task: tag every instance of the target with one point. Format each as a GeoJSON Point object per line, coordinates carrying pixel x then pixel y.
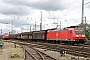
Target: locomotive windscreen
{"type": "Point", "coordinates": [79, 31]}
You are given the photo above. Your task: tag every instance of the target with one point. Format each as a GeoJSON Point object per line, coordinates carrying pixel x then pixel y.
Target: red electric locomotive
{"type": "Point", "coordinates": [69, 35]}
{"type": "Point", "coordinates": [5, 36]}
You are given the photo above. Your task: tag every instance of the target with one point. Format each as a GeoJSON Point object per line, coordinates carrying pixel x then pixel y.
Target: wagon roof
{"type": "Point", "coordinates": [15, 34]}
{"type": "Point", "coordinates": [26, 33]}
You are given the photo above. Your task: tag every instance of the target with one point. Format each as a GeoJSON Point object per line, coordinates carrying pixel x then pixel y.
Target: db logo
{"type": "Point", "coordinates": [56, 34]}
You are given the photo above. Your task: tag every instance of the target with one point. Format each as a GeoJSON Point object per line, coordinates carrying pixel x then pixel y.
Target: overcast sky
{"type": "Point", "coordinates": [21, 14]}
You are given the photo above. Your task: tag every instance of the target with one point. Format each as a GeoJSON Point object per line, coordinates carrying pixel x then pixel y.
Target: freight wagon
{"type": "Point", "coordinates": [15, 36]}
{"type": "Point", "coordinates": [26, 35]}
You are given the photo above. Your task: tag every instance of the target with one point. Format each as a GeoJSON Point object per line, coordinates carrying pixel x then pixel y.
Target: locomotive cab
{"type": "Point", "coordinates": [76, 35]}
{"type": "Point", "coordinates": [80, 35]}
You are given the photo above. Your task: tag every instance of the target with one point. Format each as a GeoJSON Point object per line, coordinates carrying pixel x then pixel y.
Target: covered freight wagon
{"type": "Point", "coordinates": [40, 35]}
{"type": "Point", "coordinates": [26, 35]}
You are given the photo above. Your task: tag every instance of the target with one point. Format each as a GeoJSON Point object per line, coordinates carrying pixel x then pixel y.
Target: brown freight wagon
{"type": "Point", "coordinates": [39, 35]}
{"type": "Point", "coordinates": [26, 35]}
{"type": "Point", "coordinates": [15, 36]}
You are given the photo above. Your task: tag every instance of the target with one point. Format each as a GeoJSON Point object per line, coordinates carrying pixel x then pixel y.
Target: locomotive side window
{"type": "Point", "coordinates": [70, 31]}
{"type": "Point", "coordinates": [79, 31]}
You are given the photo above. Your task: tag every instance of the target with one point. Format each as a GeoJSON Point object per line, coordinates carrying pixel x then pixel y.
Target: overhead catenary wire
{"type": "Point", "coordinates": [69, 9]}
{"type": "Point", "coordinates": [84, 4]}
{"type": "Point", "coordinates": [51, 2]}
{"type": "Point", "coordinates": [74, 8]}
{"type": "Point", "coordinates": [57, 8]}
{"type": "Point", "coordinates": [47, 3]}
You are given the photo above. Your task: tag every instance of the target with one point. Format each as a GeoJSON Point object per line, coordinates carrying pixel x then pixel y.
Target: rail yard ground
{"type": "Point", "coordinates": [9, 52]}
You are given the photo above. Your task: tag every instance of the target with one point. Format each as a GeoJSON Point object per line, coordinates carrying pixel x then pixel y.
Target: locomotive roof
{"type": "Point", "coordinates": [52, 29]}
{"type": "Point", "coordinates": [72, 27]}
{"type": "Point", "coordinates": [40, 30]}
{"type": "Point", "coordinates": [66, 28]}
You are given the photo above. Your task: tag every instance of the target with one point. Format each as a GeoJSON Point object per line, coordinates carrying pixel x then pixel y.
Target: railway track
{"type": "Point", "coordinates": [73, 50]}
{"type": "Point", "coordinates": [34, 54]}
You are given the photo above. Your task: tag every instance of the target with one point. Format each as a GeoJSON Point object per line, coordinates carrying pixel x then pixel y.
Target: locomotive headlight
{"type": "Point", "coordinates": [83, 38]}
{"type": "Point", "coordinates": [76, 38]}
